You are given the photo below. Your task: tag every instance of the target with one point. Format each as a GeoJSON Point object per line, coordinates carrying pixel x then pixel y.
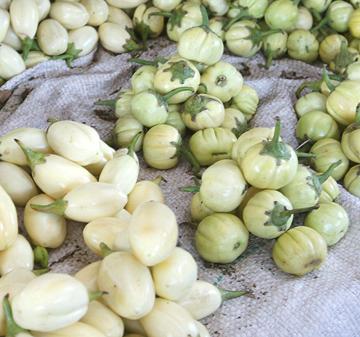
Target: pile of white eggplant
{"type": "Point", "coordinates": [142, 284]}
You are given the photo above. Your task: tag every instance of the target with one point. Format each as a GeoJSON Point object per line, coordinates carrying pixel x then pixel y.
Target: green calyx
{"type": "Point", "coordinates": [180, 71]}
{"type": "Point", "coordinates": [133, 142]}
{"type": "Point", "coordinates": [70, 55]}
{"type": "Point", "coordinates": [318, 179]}
{"type": "Point", "coordinates": [57, 207]}
{"type": "Point", "coordinates": [33, 158]}
{"type": "Point", "coordinates": [231, 294]}
{"type": "Point", "coordinates": [183, 151]}
{"type": "Point", "coordinates": [196, 104]}
{"type": "Point", "coordinates": [240, 128]}
{"type": "Point", "coordinates": [205, 17]}
{"type": "Point", "coordinates": [256, 36]}
{"type": "Point", "coordinates": [244, 14]}
{"type": "Point", "coordinates": [158, 180]}
{"type": "Point", "coordinates": [28, 45]}
{"type": "Point", "coordinates": [39, 272]}
{"type": "Point", "coordinates": [41, 257]}
{"type": "Point", "coordinates": [343, 59]}
{"type": "Point", "coordinates": [276, 148]}
{"type": "Point", "coordinates": [175, 16]}
{"type": "Point", "coordinates": [105, 250]}
{"type": "Point", "coordinates": [95, 295]}
{"type": "Point", "coordinates": [12, 329]}
{"type": "Point", "coordinates": [280, 215]}
{"type": "Point", "coordinates": [143, 62]}
{"type": "Point", "coordinates": [321, 24]}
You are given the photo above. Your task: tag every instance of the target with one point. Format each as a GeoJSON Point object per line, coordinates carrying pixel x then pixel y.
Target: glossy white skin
{"type": "Point", "coordinates": [153, 232]}
{"type": "Point", "coordinates": [122, 172]}
{"type": "Point", "coordinates": [113, 37]}
{"type": "Point", "coordinates": [144, 191]}
{"type": "Point", "coordinates": [88, 276]}
{"type": "Point", "coordinates": [12, 40]}
{"type": "Point", "coordinates": [34, 58]}
{"type": "Point", "coordinates": [175, 276]}
{"type": "Point", "coordinates": [11, 62]}
{"type": "Point", "coordinates": [198, 45]}
{"type": "Point", "coordinates": [125, 3]}
{"type": "Point", "coordinates": [203, 332]}
{"type": "Point", "coordinates": [58, 176]}
{"type": "Point", "coordinates": [78, 329]}
{"type": "Point", "coordinates": [75, 141]}
{"type": "Point", "coordinates": [17, 183]}
{"type": "Point", "coordinates": [52, 37]}
{"type": "Point", "coordinates": [12, 283]}
{"type": "Point", "coordinates": [169, 319]}
{"type": "Point", "coordinates": [118, 16]}
{"type": "Point", "coordinates": [98, 11]}
{"type": "Point", "coordinates": [33, 138]}
{"type": "Point", "coordinates": [44, 229]}
{"type": "Point", "coordinates": [123, 215]}
{"type": "Point", "coordinates": [24, 16]}
{"type": "Point", "coordinates": [310, 102]}
{"type": "Point", "coordinates": [8, 221]}
{"type": "Point", "coordinates": [84, 38]}
{"type": "Point", "coordinates": [129, 285]}
{"type": "Point", "coordinates": [4, 23]}
{"type": "Point", "coordinates": [166, 5]}
{"type": "Point", "coordinates": [103, 230]}
{"type": "Point", "coordinates": [92, 201]}
{"type": "Point", "coordinates": [202, 300]}
{"type": "Point", "coordinates": [18, 255]}
{"type": "Point", "coordinates": [71, 15]}
{"type": "Point", "coordinates": [103, 319]}
{"type": "Point", "coordinates": [223, 186]}
{"type": "Point", "coordinates": [49, 302]}
{"type": "Point", "coordinates": [43, 8]}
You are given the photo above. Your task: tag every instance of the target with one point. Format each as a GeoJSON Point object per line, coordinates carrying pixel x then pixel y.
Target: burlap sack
{"type": "Point", "coordinates": [325, 303]}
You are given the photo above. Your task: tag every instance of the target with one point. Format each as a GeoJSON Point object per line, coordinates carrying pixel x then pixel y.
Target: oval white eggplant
{"type": "Point", "coordinates": [12, 40]}
{"type": "Point", "coordinates": [44, 229]}
{"type": "Point", "coordinates": [104, 230]}
{"type": "Point", "coordinates": [175, 276]}
{"type": "Point", "coordinates": [49, 302]}
{"type": "Point", "coordinates": [4, 23]}
{"type": "Point", "coordinates": [33, 138]}
{"type": "Point", "coordinates": [153, 232]}
{"type": "Point", "coordinates": [17, 183]}
{"type": "Point", "coordinates": [71, 15]}
{"type": "Point", "coordinates": [18, 255]}
{"type": "Point", "coordinates": [75, 141]}
{"type": "Point", "coordinates": [128, 283]}
{"type": "Point", "coordinates": [118, 16]}
{"type": "Point", "coordinates": [98, 11]}
{"type": "Point", "coordinates": [113, 37]}
{"type": "Point", "coordinates": [52, 37]}
{"type": "Point", "coordinates": [169, 319]}
{"type": "Point", "coordinates": [103, 319]}
{"type": "Point", "coordinates": [84, 39]}
{"type": "Point", "coordinates": [88, 276]}
{"type": "Point", "coordinates": [11, 62]}
{"type": "Point", "coordinates": [78, 329]}
{"type": "Point", "coordinates": [43, 8]}
{"type": "Point", "coordinates": [24, 17]}
{"type": "Point", "coordinates": [8, 221]}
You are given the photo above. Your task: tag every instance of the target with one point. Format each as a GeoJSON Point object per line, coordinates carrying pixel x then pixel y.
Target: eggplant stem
{"type": "Point", "coordinates": [41, 257]}
{"type": "Point", "coordinates": [33, 158]}
{"type": "Point", "coordinates": [95, 295]}
{"type": "Point", "coordinates": [190, 189]}
{"type": "Point", "coordinates": [324, 176]}
{"type": "Point", "coordinates": [299, 210]}
{"type": "Point", "coordinates": [231, 294]}
{"type": "Point", "coordinates": [57, 207]}
{"type": "Point", "coordinates": [12, 329]}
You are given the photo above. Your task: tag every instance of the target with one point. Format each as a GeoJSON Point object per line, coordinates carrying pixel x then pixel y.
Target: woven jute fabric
{"type": "Point", "coordinates": [325, 303]}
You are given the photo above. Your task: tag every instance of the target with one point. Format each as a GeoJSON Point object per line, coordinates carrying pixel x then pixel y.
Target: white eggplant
{"type": "Point", "coordinates": [44, 229]}
{"type": "Point", "coordinates": [71, 15]}
{"type": "Point", "coordinates": [8, 221]}
{"type": "Point", "coordinates": [169, 319]}
{"type": "Point", "coordinates": [104, 230]}
{"type": "Point", "coordinates": [88, 276]}
{"type": "Point", "coordinates": [4, 23]}
{"type": "Point", "coordinates": [84, 39]}
{"type": "Point", "coordinates": [98, 11]}
{"type": "Point", "coordinates": [175, 276]}
{"type": "Point", "coordinates": [75, 141]}
{"type": "Point", "coordinates": [145, 190]}
{"type": "Point", "coordinates": [128, 284]}
{"type": "Point", "coordinates": [49, 302]}
{"type": "Point", "coordinates": [78, 329]}
{"type": "Point", "coordinates": [11, 62]}
{"type": "Point", "coordinates": [55, 175]}
{"type": "Point", "coordinates": [87, 202]}
{"type": "Point", "coordinates": [103, 319]}
{"type": "Point", "coordinates": [118, 16]}
{"type": "Point", "coordinates": [52, 37]}
{"type": "Point", "coordinates": [33, 138]}
{"type": "Point", "coordinates": [107, 153]}
{"type": "Point", "coordinates": [12, 40]}
{"type": "Point", "coordinates": [114, 37]}
{"type": "Point", "coordinates": [203, 331]}
{"type": "Point", "coordinates": [18, 255]}
{"type": "Point", "coordinates": [24, 16]}
{"type": "Point", "coordinates": [34, 58]}
{"type": "Point", "coordinates": [166, 5]}
{"type": "Point", "coordinates": [43, 8]}
{"type": "Point", "coordinates": [125, 3]}
{"type": "Point", "coordinates": [153, 232]}
{"type": "Point", "coordinates": [11, 284]}
{"type": "Point", "coordinates": [17, 183]}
